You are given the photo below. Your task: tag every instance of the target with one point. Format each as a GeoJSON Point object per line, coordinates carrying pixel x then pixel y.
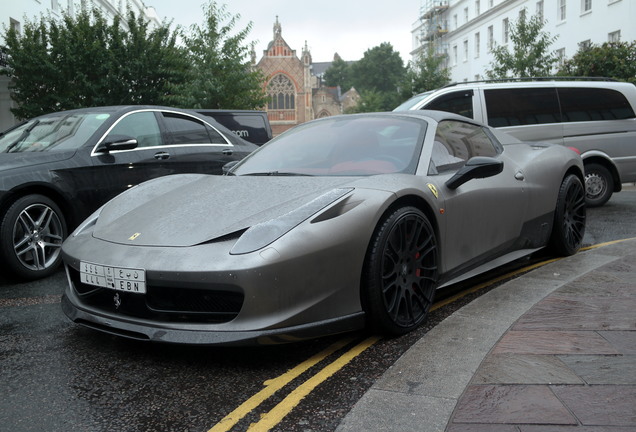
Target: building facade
{"type": "Point", "coordinates": [294, 86]}
{"type": "Point", "coordinates": [14, 14]}
{"type": "Point", "coordinates": [464, 31]}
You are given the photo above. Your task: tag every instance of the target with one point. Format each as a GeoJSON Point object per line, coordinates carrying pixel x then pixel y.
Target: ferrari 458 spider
{"type": "Point", "coordinates": [336, 224]}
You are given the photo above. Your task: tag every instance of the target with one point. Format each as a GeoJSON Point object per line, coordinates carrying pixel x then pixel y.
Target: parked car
{"type": "Point", "coordinates": [251, 125]}
{"type": "Point", "coordinates": [337, 223]}
{"type": "Point", "coordinates": [58, 168]}
{"type": "Point", "coordinates": [596, 116]}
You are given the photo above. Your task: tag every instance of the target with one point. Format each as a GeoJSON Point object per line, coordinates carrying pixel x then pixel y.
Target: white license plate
{"type": "Point", "coordinates": [118, 278]}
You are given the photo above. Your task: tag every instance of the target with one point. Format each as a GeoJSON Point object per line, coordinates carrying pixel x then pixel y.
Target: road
{"type": "Point", "coordinates": [56, 376]}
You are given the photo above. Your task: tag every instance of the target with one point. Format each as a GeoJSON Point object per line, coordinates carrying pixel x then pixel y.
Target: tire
{"type": "Point", "coordinates": [569, 218]}
{"type": "Point", "coordinates": [400, 272]}
{"type": "Point", "coordinates": [31, 235]}
{"type": "Point", "coordinates": [599, 185]}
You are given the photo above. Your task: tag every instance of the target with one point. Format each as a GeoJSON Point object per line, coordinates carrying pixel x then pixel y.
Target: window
{"type": "Point", "coordinates": [281, 93]}
{"type": "Point", "coordinates": [465, 14]}
{"type": "Point", "coordinates": [15, 26]}
{"type": "Point", "coordinates": [561, 55]}
{"type": "Point", "coordinates": [491, 38]}
{"type": "Point", "coordinates": [517, 107]}
{"type": "Point", "coordinates": [477, 6]}
{"type": "Point", "coordinates": [505, 30]}
{"type": "Point", "coordinates": [187, 130]}
{"type": "Point", "coordinates": [539, 10]}
{"type": "Point", "coordinates": [466, 50]}
{"type": "Point", "coordinates": [454, 54]}
{"type": "Point", "coordinates": [589, 104]}
{"type": "Point", "coordinates": [142, 126]}
{"type": "Point", "coordinates": [561, 10]}
{"type": "Point", "coordinates": [459, 102]}
{"type": "Point", "coordinates": [490, 3]}
{"type": "Point", "coordinates": [585, 44]}
{"type": "Point", "coordinates": [614, 36]}
{"type": "Point", "coordinates": [477, 43]}
{"type": "Point", "coordinates": [455, 22]}
{"type": "Point", "coordinates": [586, 6]}
{"type": "Point", "coordinates": [455, 143]}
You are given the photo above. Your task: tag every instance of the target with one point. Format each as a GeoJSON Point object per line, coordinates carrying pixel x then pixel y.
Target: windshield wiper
{"type": "Point", "coordinates": [22, 136]}
{"type": "Point", "coordinates": [277, 174]}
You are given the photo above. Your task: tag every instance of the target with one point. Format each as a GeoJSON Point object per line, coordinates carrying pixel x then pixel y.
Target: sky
{"type": "Point", "coordinates": [347, 27]}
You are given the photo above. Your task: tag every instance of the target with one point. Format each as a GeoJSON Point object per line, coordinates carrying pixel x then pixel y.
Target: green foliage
{"type": "Point", "coordinates": [339, 74]}
{"type": "Point", "coordinates": [530, 56]}
{"type": "Point", "coordinates": [425, 74]}
{"type": "Point", "coordinates": [81, 60]}
{"type": "Point", "coordinates": [612, 60]}
{"type": "Point", "coordinates": [221, 75]}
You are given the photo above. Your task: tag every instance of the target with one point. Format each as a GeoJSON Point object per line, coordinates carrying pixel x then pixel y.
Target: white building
{"type": "Point", "coordinates": [465, 30]}
{"type": "Point", "coordinates": [13, 14]}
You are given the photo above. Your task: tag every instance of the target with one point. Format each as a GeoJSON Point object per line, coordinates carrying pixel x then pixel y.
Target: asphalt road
{"type": "Point", "coordinates": [56, 376]}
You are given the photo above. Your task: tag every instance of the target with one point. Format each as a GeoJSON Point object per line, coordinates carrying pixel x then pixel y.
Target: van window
{"type": "Point", "coordinates": [522, 106]}
{"type": "Point", "coordinates": [587, 104]}
{"type": "Point", "coordinates": [459, 102]}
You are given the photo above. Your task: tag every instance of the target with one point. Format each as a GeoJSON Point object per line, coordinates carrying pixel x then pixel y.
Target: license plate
{"type": "Point", "coordinates": [118, 278]}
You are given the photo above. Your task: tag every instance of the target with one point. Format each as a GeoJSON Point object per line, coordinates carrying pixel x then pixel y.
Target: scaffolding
{"type": "Point", "coordinates": [434, 25]}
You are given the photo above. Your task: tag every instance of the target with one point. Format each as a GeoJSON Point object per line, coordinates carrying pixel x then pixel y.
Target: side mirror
{"type": "Point", "coordinates": [476, 167]}
{"type": "Point", "coordinates": [117, 142]}
{"type": "Point", "coordinates": [228, 166]}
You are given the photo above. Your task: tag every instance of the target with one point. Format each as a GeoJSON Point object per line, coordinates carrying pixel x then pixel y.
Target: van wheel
{"type": "Point", "coordinates": [31, 235]}
{"type": "Point", "coordinates": [599, 185]}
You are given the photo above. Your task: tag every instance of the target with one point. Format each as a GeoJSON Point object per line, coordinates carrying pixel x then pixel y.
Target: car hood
{"type": "Point", "coordinates": [185, 210]}
{"type": "Point", "coordinates": [10, 161]}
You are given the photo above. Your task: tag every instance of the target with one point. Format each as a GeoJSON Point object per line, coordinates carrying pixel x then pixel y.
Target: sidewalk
{"type": "Point", "coordinates": [551, 351]}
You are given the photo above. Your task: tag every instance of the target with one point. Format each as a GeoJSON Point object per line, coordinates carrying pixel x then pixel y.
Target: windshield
{"type": "Point", "coordinates": [55, 132]}
{"type": "Point", "coordinates": [405, 106]}
{"type": "Point", "coordinates": [345, 145]}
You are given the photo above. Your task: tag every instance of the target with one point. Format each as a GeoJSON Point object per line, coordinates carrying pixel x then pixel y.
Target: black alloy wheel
{"type": "Point", "coordinates": [569, 217]}
{"type": "Point", "coordinates": [31, 236]}
{"type": "Point", "coordinates": [400, 273]}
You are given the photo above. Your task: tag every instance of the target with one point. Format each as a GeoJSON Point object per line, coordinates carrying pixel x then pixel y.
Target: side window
{"type": "Point", "coordinates": [588, 104]}
{"type": "Point", "coordinates": [522, 106]}
{"type": "Point", "coordinates": [188, 130]}
{"type": "Point", "coordinates": [142, 126]}
{"type": "Point", "coordinates": [455, 143]}
{"type": "Point", "coordinates": [460, 102]}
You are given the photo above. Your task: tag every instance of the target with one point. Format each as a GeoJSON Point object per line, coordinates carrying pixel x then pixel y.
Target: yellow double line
{"type": "Point", "coordinates": [276, 414]}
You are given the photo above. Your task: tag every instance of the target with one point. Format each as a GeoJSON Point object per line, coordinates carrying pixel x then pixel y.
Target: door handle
{"type": "Point", "coordinates": [227, 152]}
{"type": "Point", "coordinates": [162, 155]}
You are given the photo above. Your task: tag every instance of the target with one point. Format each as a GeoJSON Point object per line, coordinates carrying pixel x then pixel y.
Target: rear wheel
{"type": "Point", "coordinates": [569, 217]}
{"type": "Point", "coordinates": [599, 185]}
{"type": "Point", "coordinates": [400, 272]}
{"type": "Point", "coordinates": [31, 235]}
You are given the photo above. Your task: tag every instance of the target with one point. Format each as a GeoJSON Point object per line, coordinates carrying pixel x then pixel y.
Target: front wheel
{"type": "Point", "coordinates": [599, 185]}
{"type": "Point", "coordinates": [400, 272]}
{"type": "Point", "coordinates": [569, 217]}
{"type": "Point", "coordinates": [31, 235]}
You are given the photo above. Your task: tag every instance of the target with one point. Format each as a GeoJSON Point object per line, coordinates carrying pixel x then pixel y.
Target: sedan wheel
{"type": "Point", "coordinates": [569, 217]}
{"type": "Point", "coordinates": [400, 274]}
{"type": "Point", "coordinates": [31, 236]}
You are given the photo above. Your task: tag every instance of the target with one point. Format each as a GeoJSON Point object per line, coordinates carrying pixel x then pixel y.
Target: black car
{"type": "Point", "coordinates": [56, 169]}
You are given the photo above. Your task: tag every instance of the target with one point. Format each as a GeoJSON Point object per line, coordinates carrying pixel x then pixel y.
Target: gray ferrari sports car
{"type": "Point", "coordinates": [336, 224]}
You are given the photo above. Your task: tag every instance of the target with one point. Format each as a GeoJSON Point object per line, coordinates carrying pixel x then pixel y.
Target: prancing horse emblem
{"type": "Point", "coordinates": [117, 300]}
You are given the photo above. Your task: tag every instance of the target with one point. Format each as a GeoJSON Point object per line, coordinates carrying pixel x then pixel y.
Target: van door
{"type": "Point", "coordinates": [529, 114]}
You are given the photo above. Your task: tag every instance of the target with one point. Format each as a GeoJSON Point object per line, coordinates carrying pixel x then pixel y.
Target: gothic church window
{"type": "Point", "coordinates": [281, 93]}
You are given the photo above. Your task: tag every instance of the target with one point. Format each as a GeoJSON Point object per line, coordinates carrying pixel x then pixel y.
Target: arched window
{"type": "Point", "coordinates": [281, 92]}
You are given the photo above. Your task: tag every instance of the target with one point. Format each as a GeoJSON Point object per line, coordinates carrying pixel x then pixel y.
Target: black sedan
{"type": "Point", "coordinates": [58, 168]}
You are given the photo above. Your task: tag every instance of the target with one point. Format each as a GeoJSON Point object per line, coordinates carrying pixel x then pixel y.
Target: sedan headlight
{"type": "Point", "coordinates": [263, 234]}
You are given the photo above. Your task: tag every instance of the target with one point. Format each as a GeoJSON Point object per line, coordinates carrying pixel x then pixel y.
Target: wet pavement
{"type": "Point", "coordinates": [551, 351]}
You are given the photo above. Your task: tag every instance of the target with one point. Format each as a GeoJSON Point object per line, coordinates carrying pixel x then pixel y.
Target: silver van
{"type": "Point", "coordinates": [597, 117]}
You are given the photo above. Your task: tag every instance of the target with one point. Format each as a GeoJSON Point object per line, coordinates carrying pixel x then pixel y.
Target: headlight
{"type": "Point", "coordinates": [263, 234]}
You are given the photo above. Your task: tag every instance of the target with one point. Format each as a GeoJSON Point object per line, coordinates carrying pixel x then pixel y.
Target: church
{"type": "Point", "coordinates": [294, 86]}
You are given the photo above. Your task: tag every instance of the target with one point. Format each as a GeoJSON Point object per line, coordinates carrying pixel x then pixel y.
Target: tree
{"type": "Point", "coordinates": [427, 73]}
{"type": "Point", "coordinates": [379, 74]}
{"type": "Point", "coordinates": [221, 74]}
{"type": "Point", "coordinates": [530, 56]}
{"type": "Point", "coordinates": [338, 74]}
{"type": "Point", "coordinates": [81, 61]}
{"type": "Point", "coordinates": [612, 60]}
